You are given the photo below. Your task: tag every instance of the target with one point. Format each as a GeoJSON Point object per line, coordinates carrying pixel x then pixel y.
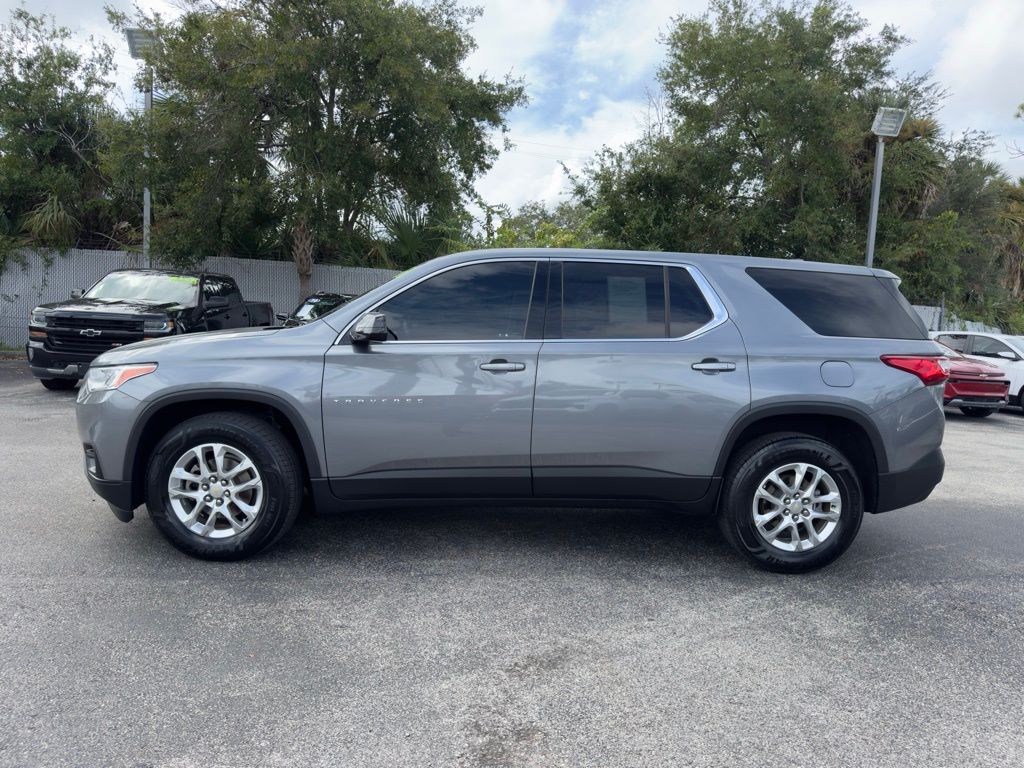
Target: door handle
{"type": "Point", "coordinates": [502, 366]}
{"type": "Point", "coordinates": [710, 366]}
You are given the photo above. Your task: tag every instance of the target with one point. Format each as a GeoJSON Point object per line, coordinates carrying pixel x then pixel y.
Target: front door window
{"type": "Point", "coordinates": [988, 347]}
{"type": "Point", "coordinates": [479, 302]}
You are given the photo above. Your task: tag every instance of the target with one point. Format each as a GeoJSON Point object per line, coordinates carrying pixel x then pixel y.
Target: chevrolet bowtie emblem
{"type": "Point", "coordinates": [90, 332]}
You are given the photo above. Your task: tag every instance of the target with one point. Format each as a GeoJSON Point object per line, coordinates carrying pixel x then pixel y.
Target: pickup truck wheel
{"type": "Point", "coordinates": [976, 413]}
{"type": "Point", "coordinates": [62, 385]}
{"type": "Point", "coordinates": [223, 486]}
{"type": "Point", "coordinates": [791, 504]}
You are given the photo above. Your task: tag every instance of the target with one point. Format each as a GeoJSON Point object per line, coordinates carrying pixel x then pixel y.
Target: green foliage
{"type": "Point", "coordinates": [328, 112]}
{"type": "Point", "coordinates": [766, 150]}
{"type": "Point", "coordinates": [52, 112]}
{"type": "Point", "coordinates": [567, 225]}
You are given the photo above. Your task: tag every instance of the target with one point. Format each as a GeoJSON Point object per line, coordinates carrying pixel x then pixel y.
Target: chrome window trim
{"type": "Point", "coordinates": [719, 314]}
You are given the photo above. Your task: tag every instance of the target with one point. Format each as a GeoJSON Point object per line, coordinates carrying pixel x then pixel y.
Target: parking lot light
{"type": "Point", "coordinates": [140, 42]}
{"type": "Point", "coordinates": [888, 122]}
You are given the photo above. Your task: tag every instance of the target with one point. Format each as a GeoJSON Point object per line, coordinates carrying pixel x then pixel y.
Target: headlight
{"type": "Point", "coordinates": [105, 377]}
{"type": "Point", "coordinates": [159, 324]}
{"type": "Point", "coordinates": [39, 317]}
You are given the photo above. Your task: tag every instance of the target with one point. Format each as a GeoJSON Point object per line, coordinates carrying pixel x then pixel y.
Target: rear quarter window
{"type": "Point", "coordinates": [838, 304]}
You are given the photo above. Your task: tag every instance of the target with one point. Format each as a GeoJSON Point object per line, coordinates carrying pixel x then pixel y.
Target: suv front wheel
{"type": "Point", "coordinates": [223, 486]}
{"type": "Point", "coordinates": [792, 503]}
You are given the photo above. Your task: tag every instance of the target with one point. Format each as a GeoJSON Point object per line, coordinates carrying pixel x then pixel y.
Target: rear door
{"type": "Point", "coordinates": [639, 377]}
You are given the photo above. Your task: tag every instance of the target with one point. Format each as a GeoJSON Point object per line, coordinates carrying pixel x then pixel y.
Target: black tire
{"type": "Point", "coordinates": [61, 385]}
{"type": "Point", "coordinates": [275, 460]}
{"type": "Point", "coordinates": [751, 465]}
{"type": "Point", "coordinates": [976, 413]}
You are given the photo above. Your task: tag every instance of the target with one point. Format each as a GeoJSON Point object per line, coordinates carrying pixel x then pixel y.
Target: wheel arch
{"type": "Point", "coordinates": [845, 427]}
{"type": "Point", "coordinates": [163, 413]}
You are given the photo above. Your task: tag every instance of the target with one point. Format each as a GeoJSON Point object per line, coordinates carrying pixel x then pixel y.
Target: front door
{"type": "Point", "coordinates": [640, 375]}
{"type": "Point", "coordinates": [220, 318]}
{"type": "Point", "coordinates": [442, 408]}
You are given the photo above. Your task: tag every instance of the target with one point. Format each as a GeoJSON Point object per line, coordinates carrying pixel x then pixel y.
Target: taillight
{"type": "Point", "coordinates": [930, 370]}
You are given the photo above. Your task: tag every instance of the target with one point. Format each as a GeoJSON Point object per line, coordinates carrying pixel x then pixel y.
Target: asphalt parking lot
{"type": "Point", "coordinates": [505, 638]}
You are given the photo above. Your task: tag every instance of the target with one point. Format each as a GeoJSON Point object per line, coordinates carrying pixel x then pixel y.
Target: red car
{"type": "Point", "coordinates": [976, 387]}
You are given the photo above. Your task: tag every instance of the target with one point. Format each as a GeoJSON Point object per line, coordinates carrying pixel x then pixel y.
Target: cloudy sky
{"type": "Point", "coordinates": [589, 67]}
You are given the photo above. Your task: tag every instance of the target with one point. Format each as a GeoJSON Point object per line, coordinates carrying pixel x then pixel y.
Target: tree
{"type": "Point", "coordinates": [765, 149]}
{"type": "Point", "coordinates": [534, 225]}
{"type": "Point", "coordinates": [337, 111]}
{"type": "Point", "coordinates": [53, 124]}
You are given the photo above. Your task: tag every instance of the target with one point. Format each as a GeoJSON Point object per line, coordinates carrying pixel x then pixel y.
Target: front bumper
{"type": "Point", "coordinates": [105, 419]}
{"type": "Point", "coordinates": [49, 364]}
{"type": "Point", "coordinates": [911, 485]}
{"type": "Point", "coordinates": [117, 494]}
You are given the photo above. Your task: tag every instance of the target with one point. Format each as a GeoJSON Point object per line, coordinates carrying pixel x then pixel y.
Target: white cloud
{"type": "Point", "coordinates": [511, 32]}
{"type": "Point", "coordinates": [971, 48]}
{"type": "Point", "coordinates": [982, 58]}
{"type": "Point", "coordinates": [622, 37]}
{"type": "Point", "coordinates": [532, 170]}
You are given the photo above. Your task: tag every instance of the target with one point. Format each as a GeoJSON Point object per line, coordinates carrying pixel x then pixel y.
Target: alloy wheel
{"type": "Point", "coordinates": [215, 490]}
{"type": "Point", "coordinates": [797, 507]}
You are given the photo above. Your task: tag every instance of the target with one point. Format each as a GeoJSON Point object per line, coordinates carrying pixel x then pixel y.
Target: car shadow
{"type": "Point", "coordinates": [545, 537]}
{"type": "Point", "coordinates": [1006, 418]}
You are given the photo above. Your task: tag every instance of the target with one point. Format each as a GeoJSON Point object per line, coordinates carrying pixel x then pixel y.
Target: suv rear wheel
{"type": "Point", "coordinates": [792, 503]}
{"type": "Point", "coordinates": [223, 486]}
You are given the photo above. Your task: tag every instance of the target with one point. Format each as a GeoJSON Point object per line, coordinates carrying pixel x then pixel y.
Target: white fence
{"type": "Point", "coordinates": [54, 276]}
{"type": "Point", "coordinates": [940, 319]}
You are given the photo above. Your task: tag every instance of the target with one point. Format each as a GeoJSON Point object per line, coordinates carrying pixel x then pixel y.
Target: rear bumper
{"type": "Point", "coordinates": [975, 391]}
{"type": "Point", "coordinates": [971, 402]}
{"type": "Point", "coordinates": [911, 485]}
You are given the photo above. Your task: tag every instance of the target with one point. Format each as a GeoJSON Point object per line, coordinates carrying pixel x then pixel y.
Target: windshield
{"type": "Point", "coordinates": [315, 306]}
{"type": "Point", "coordinates": [146, 286]}
{"type": "Point", "coordinates": [1018, 342]}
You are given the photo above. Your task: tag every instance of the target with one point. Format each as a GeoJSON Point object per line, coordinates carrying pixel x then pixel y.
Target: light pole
{"type": "Point", "coordinates": [888, 122]}
{"type": "Point", "coordinates": [140, 41]}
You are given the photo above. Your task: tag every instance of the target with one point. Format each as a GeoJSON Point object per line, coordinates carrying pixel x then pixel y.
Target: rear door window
{"type": "Point", "coordinates": [613, 301]}
{"type": "Point", "coordinates": [688, 309]}
{"type": "Point", "coordinates": [838, 304]}
{"type": "Point", "coordinates": [957, 341]}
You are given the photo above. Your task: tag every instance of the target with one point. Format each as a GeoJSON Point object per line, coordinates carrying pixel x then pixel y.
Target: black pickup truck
{"type": "Point", "coordinates": [132, 305]}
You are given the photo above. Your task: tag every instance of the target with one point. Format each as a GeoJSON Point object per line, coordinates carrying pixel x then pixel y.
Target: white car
{"type": "Point", "coordinates": [1007, 351]}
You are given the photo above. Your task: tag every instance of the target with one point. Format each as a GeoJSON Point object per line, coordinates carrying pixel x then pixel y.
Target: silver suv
{"type": "Point", "coordinates": [785, 397]}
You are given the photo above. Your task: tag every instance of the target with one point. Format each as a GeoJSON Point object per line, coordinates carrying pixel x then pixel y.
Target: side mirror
{"type": "Point", "coordinates": [216, 302]}
{"type": "Point", "coordinates": [281, 316]}
{"type": "Point", "coordinates": [77, 293]}
{"type": "Point", "coordinates": [1006, 355]}
{"type": "Point", "coordinates": [372, 326]}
